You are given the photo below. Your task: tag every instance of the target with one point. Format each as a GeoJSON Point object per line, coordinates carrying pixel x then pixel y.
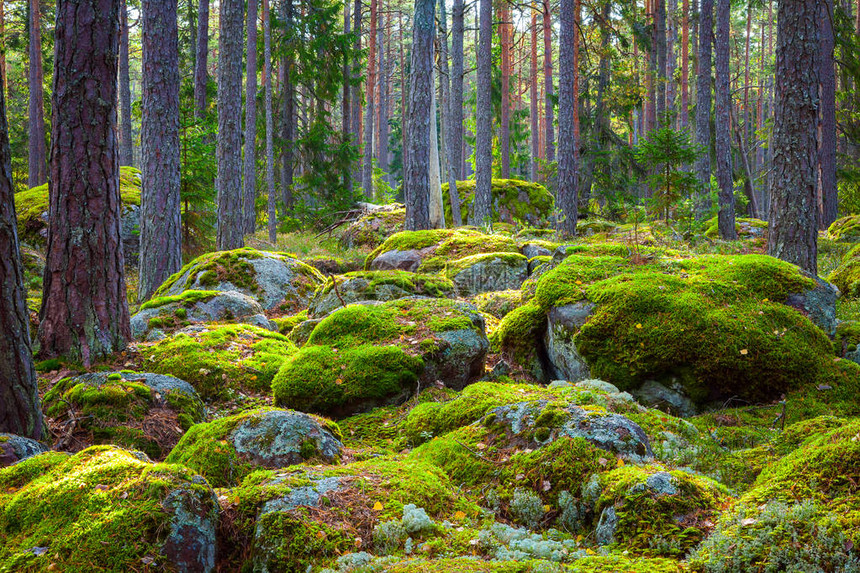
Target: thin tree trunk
{"type": "Point", "coordinates": [355, 104]}
{"type": "Point", "coordinates": [231, 223]}
{"type": "Point", "coordinates": [345, 103]}
{"type": "Point", "coordinates": [722, 125]}
{"type": "Point", "coordinates": [533, 98]}
{"type": "Point", "coordinates": [126, 153]}
{"type": "Point", "coordinates": [37, 158]}
{"type": "Point", "coordinates": [549, 136]}
{"type": "Point", "coordinates": [481, 208]}
{"type": "Point", "coordinates": [567, 104]}
{"type": "Point", "coordinates": [3, 83]}
{"type": "Point", "coordinates": [437, 210]}
{"type": "Point", "coordinates": [671, 62]}
{"type": "Point", "coordinates": [651, 75]}
{"type": "Point", "coordinates": [448, 114]}
{"type": "Point", "coordinates": [382, 104]}
{"type": "Point", "coordinates": [201, 74]}
{"type": "Point", "coordinates": [287, 114]}
{"type": "Point", "coordinates": [703, 101]}
{"type": "Point", "coordinates": [827, 150]}
{"type": "Point", "coordinates": [746, 126]}
{"type": "Point", "coordinates": [19, 393]}
{"type": "Point", "coordinates": [753, 209]}
{"type": "Point", "coordinates": [160, 221]}
{"type": "Point", "coordinates": [416, 173]}
{"type": "Point", "coordinates": [84, 315]}
{"type": "Point", "coordinates": [506, 45]}
{"type": "Point", "coordinates": [370, 96]}
{"type": "Point", "coordinates": [270, 126]}
{"type": "Point", "coordinates": [660, 35]}
{"type": "Point", "coordinates": [685, 64]}
{"type": "Point", "coordinates": [249, 190]}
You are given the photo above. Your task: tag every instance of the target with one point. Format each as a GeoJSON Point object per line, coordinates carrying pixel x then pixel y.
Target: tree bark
{"type": "Point", "coordinates": [355, 104]}
{"type": "Point", "coordinates": [370, 97]}
{"type": "Point", "coordinates": [549, 135]}
{"type": "Point", "coordinates": [746, 126]}
{"type": "Point", "coordinates": [249, 189]}
{"type": "Point", "coordinates": [827, 150]}
{"type": "Point", "coordinates": [660, 45]}
{"type": "Point", "coordinates": [793, 229]}
{"type": "Point", "coordinates": [231, 223]}
{"type": "Point", "coordinates": [506, 45]}
{"type": "Point", "coordinates": [416, 172]}
{"type": "Point", "coordinates": [703, 101]}
{"type": "Point", "coordinates": [567, 102]}
{"type": "Point", "coordinates": [19, 394]}
{"type": "Point", "coordinates": [455, 157]}
{"type": "Point", "coordinates": [201, 75]}
{"type": "Point", "coordinates": [3, 83]}
{"type": "Point", "coordinates": [37, 158]}
{"type": "Point", "coordinates": [160, 221]}
{"type": "Point", "coordinates": [722, 125]}
{"type": "Point", "coordinates": [533, 98]}
{"type": "Point", "coordinates": [270, 126]}
{"type": "Point", "coordinates": [287, 111]}
{"type": "Point", "coordinates": [382, 96]}
{"type": "Point", "coordinates": [448, 114]}
{"type": "Point", "coordinates": [671, 61]}
{"type": "Point", "coordinates": [685, 64]}
{"type": "Point", "coordinates": [84, 315]}
{"type": "Point", "coordinates": [651, 75]}
{"type": "Point", "coordinates": [126, 152]}
{"type": "Point", "coordinates": [481, 208]}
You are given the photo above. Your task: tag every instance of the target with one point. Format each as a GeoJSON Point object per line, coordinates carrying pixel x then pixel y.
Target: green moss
{"type": "Point", "coordinates": [372, 229]}
{"type": "Point", "coordinates": [847, 277]}
{"type": "Point", "coordinates": [213, 268]}
{"type": "Point", "coordinates": [444, 245]}
{"type": "Point", "coordinates": [455, 267]}
{"type": "Point", "coordinates": [741, 226]}
{"type": "Point", "coordinates": [587, 564]}
{"type": "Point", "coordinates": [186, 299]}
{"type": "Point", "coordinates": [416, 283]}
{"type": "Point", "coordinates": [842, 229]}
{"type": "Point", "coordinates": [518, 333]}
{"type": "Point", "coordinates": [18, 475]}
{"type": "Point", "coordinates": [513, 201]}
{"type": "Point", "coordinates": [498, 303]}
{"type": "Point", "coordinates": [287, 323]}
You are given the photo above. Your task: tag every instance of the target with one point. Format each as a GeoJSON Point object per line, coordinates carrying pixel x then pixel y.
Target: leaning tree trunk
{"type": "Point", "coordinates": [249, 190]}
{"type": "Point", "coordinates": [84, 315]}
{"type": "Point", "coordinates": [722, 126]}
{"type": "Point", "coordinates": [201, 75]}
{"type": "Point", "coordinates": [160, 221]}
{"type": "Point", "coordinates": [416, 175]}
{"type": "Point", "coordinates": [827, 150]}
{"type": "Point", "coordinates": [481, 214]}
{"type": "Point", "coordinates": [126, 153]}
{"type": "Point", "coordinates": [567, 156]}
{"type": "Point", "coordinates": [19, 393]}
{"type": "Point", "coordinates": [793, 228]}
{"type": "Point", "coordinates": [37, 157]}
{"type": "Point", "coordinates": [229, 149]}
{"type": "Point", "coordinates": [455, 157]}
{"type": "Point", "coordinates": [270, 140]}
{"type": "Point", "coordinates": [703, 102]}
{"type": "Point", "coordinates": [549, 136]}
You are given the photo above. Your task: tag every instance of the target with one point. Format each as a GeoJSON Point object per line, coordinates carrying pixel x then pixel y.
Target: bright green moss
{"type": "Point", "coordinates": [455, 267]}
{"type": "Point", "coordinates": [513, 201]}
{"type": "Point", "coordinates": [18, 475]}
{"type": "Point", "coordinates": [842, 229]}
{"type": "Point", "coordinates": [518, 333]}
{"type": "Point", "coordinates": [587, 564]}
{"type": "Point", "coordinates": [216, 267]}
{"type": "Point", "coordinates": [444, 245]}
{"type": "Point", "coordinates": [846, 277]}
{"type": "Point", "coordinates": [498, 303]}
{"type": "Point", "coordinates": [416, 283]}
{"type": "Point", "coordinates": [186, 299]}
{"type": "Point", "coordinates": [287, 323]}
{"type": "Point", "coordinates": [742, 226]}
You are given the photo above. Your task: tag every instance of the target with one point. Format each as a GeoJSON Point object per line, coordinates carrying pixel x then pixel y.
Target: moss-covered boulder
{"type": "Point", "coordinates": [372, 228]}
{"type": "Point", "coordinates": [746, 228]}
{"type": "Point", "coordinates": [220, 361]}
{"type": "Point", "coordinates": [431, 251]}
{"type": "Point", "coordinates": [277, 281]}
{"type": "Point", "coordinates": [586, 563]}
{"type": "Point", "coordinates": [363, 356]}
{"type": "Point", "coordinates": [847, 275]}
{"type": "Point", "coordinates": [147, 412]}
{"type": "Point", "coordinates": [14, 448]}
{"type": "Point", "coordinates": [380, 286]}
{"type": "Point", "coordinates": [842, 229]}
{"type": "Point", "coordinates": [108, 509]}
{"type": "Point", "coordinates": [803, 512]}
{"type": "Point", "coordinates": [498, 303]}
{"type": "Point", "coordinates": [226, 450]}
{"type": "Point", "coordinates": [513, 202]}
{"type": "Point", "coordinates": [169, 313]}
{"type": "Point", "coordinates": [488, 272]}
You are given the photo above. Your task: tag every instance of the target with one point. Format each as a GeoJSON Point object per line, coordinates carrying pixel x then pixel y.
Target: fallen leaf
{"type": "Point", "coordinates": [639, 325]}
{"type": "Point", "coordinates": [744, 351]}
{"type": "Point", "coordinates": [459, 515]}
{"type": "Point", "coordinates": [749, 521]}
{"type": "Point", "coordinates": [377, 506]}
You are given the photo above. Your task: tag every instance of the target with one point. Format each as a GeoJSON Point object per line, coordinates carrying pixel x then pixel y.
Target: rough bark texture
{"type": "Point", "coordinates": [355, 103]}
{"type": "Point", "coordinates": [270, 140]}
{"type": "Point", "coordinates": [506, 45]}
{"type": "Point", "coordinates": [827, 149]}
{"type": "Point", "coordinates": [685, 64]}
{"type": "Point", "coordinates": [567, 160]}
{"type": "Point", "coordinates": [455, 158]}
{"type": "Point", "coordinates": [484, 120]}
{"type": "Point", "coordinates": [382, 96]}
{"type": "Point", "coordinates": [448, 114]}
{"type": "Point", "coordinates": [722, 125]}
{"type": "Point", "coordinates": [201, 75]}
{"type": "Point", "coordinates": [126, 151]}
{"type": "Point", "coordinates": [2, 46]}
{"type": "Point", "coordinates": [437, 210]}
{"type": "Point", "coordinates": [416, 173]}
{"type": "Point", "coordinates": [19, 394]}
{"type": "Point", "coordinates": [287, 113]}
{"type": "Point", "coordinates": [84, 313]}
{"type": "Point", "coordinates": [370, 110]}
{"type": "Point", "coordinates": [37, 158]}
{"type": "Point", "coordinates": [793, 230]}
{"type": "Point", "coordinates": [660, 46]}
{"type": "Point", "coordinates": [671, 61]}
{"type": "Point", "coordinates": [229, 149]}
{"type": "Point", "coordinates": [549, 136]}
{"type": "Point", "coordinates": [160, 221]}
{"type": "Point", "coordinates": [533, 98]}
{"type": "Point", "coordinates": [249, 189]}
{"type": "Point", "coordinates": [703, 99]}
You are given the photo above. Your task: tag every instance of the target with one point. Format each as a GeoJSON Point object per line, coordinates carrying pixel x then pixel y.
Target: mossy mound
{"type": "Point", "coordinates": [107, 509]}
{"type": "Point", "coordinates": [746, 228]}
{"type": "Point", "coordinates": [498, 303]}
{"type": "Point", "coordinates": [431, 251]}
{"type": "Point", "coordinates": [842, 229]}
{"type": "Point", "coordinates": [585, 564]}
{"type": "Point", "coordinates": [372, 228]}
{"type": "Point", "coordinates": [220, 360]}
{"type": "Point", "coordinates": [380, 286]}
{"type": "Point", "coordinates": [363, 356]}
{"type": "Point", "coordinates": [286, 324]}
{"type": "Point", "coordinates": [228, 449]}
{"type": "Point", "coordinates": [513, 202]}
{"type": "Point", "coordinates": [147, 412]}
{"type": "Point", "coordinates": [488, 272]}
{"type": "Point", "coordinates": [847, 275]}
{"type": "Point", "coordinates": [279, 282]}
{"type": "Point", "coordinates": [594, 226]}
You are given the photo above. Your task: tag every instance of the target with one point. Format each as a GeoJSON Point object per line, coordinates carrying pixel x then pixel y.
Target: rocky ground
{"type": "Point", "coordinates": [460, 401]}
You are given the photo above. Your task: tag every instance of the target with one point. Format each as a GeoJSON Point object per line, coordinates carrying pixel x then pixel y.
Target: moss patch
{"type": "Point", "coordinates": [843, 229]}
{"type": "Point", "coordinates": [513, 201]}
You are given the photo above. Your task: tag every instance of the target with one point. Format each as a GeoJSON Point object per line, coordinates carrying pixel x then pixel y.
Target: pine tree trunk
{"type": "Point", "coordinates": [685, 64]}
{"type": "Point", "coordinates": [370, 96]}
{"type": "Point", "coordinates": [549, 129]}
{"type": "Point", "coordinates": [534, 114]}
{"type": "Point", "coordinates": [249, 190]}
{"type": "Point", "coordinates": [455, 157]}
{"type": "Point", "coordinates": [506, 46]}
{"type": "Point", "coordinates": [160, 221]}
{"type": "Point", "coordinates": [827, 150]}
{"type": "Point", "coordinates": [671, 62]}
{"type": "Point", "coordinates": [270, 126]}
{"type": "Point", "coordinates": [793, 229]}
{"type": "Point", "coordinates": [660, 44]}
{"type": "Point", "coordinates": [231, 223]}
{"type": "Point", "coordinates": [416, 172]}
{"type": "Point", "coordinates": [201, 74]}
{"type": "Point", "coordinates": [19, 394]}
{"type": "Point", "coordinates": [722, 125]}
{"type": "Point", "coordinates": [37, 157]}
{"type": "Point", "coordinates": [287, 112]}
{"type": "Point", "coordinates": [651, 75]}
{"type": "Point", "coordinates": [126, 153]}
{"type": "Point", "coordinates": [3, 74]}
{"type": "Point", "coordinates": [447, 115]}
{"type": "Point", "coordinates": [567, 103]}
{"type": "Point", "coordinates": [703, 101]}
{"type": "Point", "coordinates": [84, 315]}
{"type": "Point", "coordinates": [355, 104]}
{"type": "Point", "coordinates": [481, 208]}
{"type": "Point", "coordinates": [382, 97]}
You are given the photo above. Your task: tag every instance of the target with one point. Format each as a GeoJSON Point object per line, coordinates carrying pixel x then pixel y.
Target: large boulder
{"type": "Point", "coordinates": [513, 201]}
{"type": "Point", "coordinates": [488, 272]}
{"type": "Point", "coordinates": [108, 507]}
{"type": "Point", "coordinates": [377, 224]}
{"type": "Point", "coordinates": [16, 448]}
{"type": "Point", "coordinates": [845, 229]}
{"type": "Point", "coordinates": [226, 450]}
{"type": "Point", "coordinates": [277, 281]}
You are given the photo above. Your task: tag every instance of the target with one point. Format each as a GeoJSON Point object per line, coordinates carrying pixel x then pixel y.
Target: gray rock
{"type": "Point", "coordinates": [397, 260]}
{"type": "Point", "coordinates": [672, 400]}
{"type": "Point", "coordinates": [606, 526]}
{"type": "Point", "coordinates": [261, 321]}
{"type": "Point", "coordinates": [459, 360]}
{"type": "Point", "coordinates": [130, 233]}
{"type": "Point", "coordinates": [222, 306]}
{"type": "Point", "coordinates": [594, 384]}
{"type": "Point", "coordinates": [490, 272]}
{"type": "Point", "coordinates": [302, 331]}
{"type": "Point", "coordinates": [353, 290]}
{"type": "Point", "coordinates": [190, 546]}
{"type": "Point", "coordinates": [563, 322]}
{"type": "Point", "coordinates": [662, 483]}
{"type": "Point", "coordinates": [819, 304]}
{"type": "Point", "coordinates": [14, 448]}
{"type": "Point", "coordinates": [531, 250]}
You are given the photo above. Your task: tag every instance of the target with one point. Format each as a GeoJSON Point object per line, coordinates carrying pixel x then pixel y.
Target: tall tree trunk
{"type": "Point", "coordinates": [685, 64]}
{"type": "Point", "coordinates": [287, 113]}
{"type": "Point", "coordinates": [84, 315]}
{"type": "Point", "coordinates": [793, 229]}
{"type": "Point", "coordinates": [437, 210]}
{"type": "Point", "coordinates": [355, 104]}
{"type": "Point", "coordinates": [382, 96]}
{"type": "Point", "coordinates": [549, 135]}
{"type": "Point", "coordinates": [3, 83]}
{"type": "Point", "coordinates": [249, 190]}
{"type": "Point", "coordinates": [660, 44]}
{"type": "Point", "coordinates": [160, 221]}
{"type": "Point", "coordinates": [534, 114]}
{"type": "Point", "coordinates": [722, 125]}
{"type": "Point", "coordinates": [746, 126]}
{"type": "Point", "coordinates": [370, 96]}
{"type": "Point", "coordinates": [651, 77]}
{"type": "Point", "coordinates": [201, 74]}
{"type": "Point", "coordinates": [671, 61]}
{"type": "Point", "coordinates": [703, 101]}
{"type": "Point", "coordinates": [827, 150]}
{"type": "Point", "coordinates": [506, 45]}
{"type": "Point", "coordinates": [19, 394]}
{"type": "Point", "coordinates": [448, 113]}
{"type": "Point", "coordinates": [567, 103]}
{"type": "Point", "coordinates": [126, 153]}
{"type": "Point", "coordinates": [455, 157]}
{"type": "Point", "coordinates": [481, 207]}
{"type": "Point", "coordinates": [270, 126]}
{"type": "Point", "coordinates": [231, 223]}
{"type": "Point", "coordinates": [37, 159]}
{"type": "Point", "coordinates": [416, 173]}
